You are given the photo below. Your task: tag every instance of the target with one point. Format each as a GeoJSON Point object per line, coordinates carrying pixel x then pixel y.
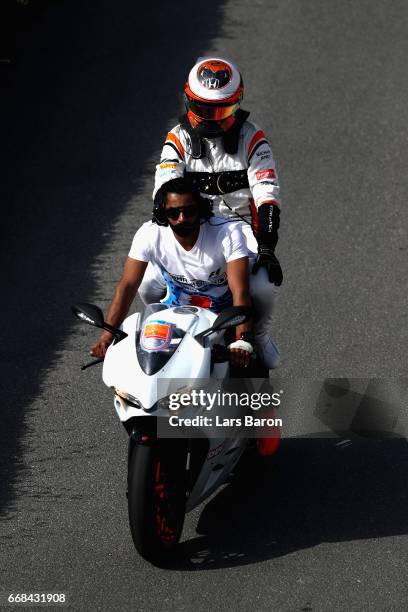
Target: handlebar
{"type": "Point", "coordinates": [91, 363]}
{"type": "Point", "coordinates": [220, 353]}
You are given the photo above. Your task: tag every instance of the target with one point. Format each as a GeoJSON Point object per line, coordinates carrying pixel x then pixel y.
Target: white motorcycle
{"type": "Point", "coordinates": [152, 355]}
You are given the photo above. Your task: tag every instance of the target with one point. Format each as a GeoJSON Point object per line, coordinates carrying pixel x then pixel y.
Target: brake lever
{"type": "Point", "coordinates": [91, 363]}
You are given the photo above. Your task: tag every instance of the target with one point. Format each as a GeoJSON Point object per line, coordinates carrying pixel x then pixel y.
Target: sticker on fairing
{"type": "Point", "coordinates": [156, 335]}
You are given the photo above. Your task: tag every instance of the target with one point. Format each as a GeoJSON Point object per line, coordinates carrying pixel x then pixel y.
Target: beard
{"type": "Point", "coordinates": [185, 229]}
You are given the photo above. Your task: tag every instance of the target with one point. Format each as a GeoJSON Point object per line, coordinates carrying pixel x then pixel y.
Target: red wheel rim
{"type": "Point", "coordinates": [165, 512]}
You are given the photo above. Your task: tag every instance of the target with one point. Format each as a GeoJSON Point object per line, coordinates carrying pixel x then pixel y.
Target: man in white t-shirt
{"type": "Point", "coordinates": [195, 258]}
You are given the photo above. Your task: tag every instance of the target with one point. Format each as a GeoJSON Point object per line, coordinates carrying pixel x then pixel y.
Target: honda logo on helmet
{"type": "Point", "coordinates": [214, 74]}
{"type": "Point", "coordinates": [211, 83]}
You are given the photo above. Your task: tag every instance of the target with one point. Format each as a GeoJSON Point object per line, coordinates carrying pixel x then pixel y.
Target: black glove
{"type": "Point", "coordinates": [267, 259]}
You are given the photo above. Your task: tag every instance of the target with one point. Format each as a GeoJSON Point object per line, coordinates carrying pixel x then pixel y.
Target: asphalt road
{"type": "Point", "coordinates": [324, 525]}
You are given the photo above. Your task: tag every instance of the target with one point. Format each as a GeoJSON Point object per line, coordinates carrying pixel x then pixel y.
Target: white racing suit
{"type": "Point", "coordinates": [252, 183]}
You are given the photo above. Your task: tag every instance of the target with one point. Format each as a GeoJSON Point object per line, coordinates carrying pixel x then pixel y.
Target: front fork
{"type": "Point", "coordinates": [143, 431]}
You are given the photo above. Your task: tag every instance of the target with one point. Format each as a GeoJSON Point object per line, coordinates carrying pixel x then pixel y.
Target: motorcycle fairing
{"type": "Point", "coordinates": [123, 370]}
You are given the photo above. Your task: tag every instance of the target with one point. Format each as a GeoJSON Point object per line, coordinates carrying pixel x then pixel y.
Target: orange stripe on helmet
{"type": "Point", "coordinates": [173, 138]}
{"type": "Point", "coordinates": [256, 138]}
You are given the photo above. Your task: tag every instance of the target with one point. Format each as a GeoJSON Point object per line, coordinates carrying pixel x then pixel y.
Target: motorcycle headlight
{"type": "Point", "coordinates": [128, 397]}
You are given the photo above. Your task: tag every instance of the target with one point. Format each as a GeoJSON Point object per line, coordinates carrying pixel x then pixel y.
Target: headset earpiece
{"type": "Point", "coordinates": [158, 215]}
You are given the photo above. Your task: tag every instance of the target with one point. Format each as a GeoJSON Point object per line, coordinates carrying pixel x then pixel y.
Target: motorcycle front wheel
{"type": "Point", "coordinates": [157, 498]}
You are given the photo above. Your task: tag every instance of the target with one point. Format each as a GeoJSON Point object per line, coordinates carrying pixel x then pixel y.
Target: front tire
{"type": "Point", "coordinates": [157, 498]}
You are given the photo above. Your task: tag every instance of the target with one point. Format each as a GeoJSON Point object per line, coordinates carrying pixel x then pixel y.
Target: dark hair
{"type": "Point", "coordinates": [179, 185]}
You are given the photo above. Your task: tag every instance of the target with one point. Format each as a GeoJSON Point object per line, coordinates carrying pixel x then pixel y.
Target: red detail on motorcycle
{"type": "Point", "coordinates": [269, 438]}
{"type": "Point", "coordinates": [267, 446]}
{"type": "Point", "coordinates": [201, 300]}
{"type": "Point", "coordinates": [166, 533]}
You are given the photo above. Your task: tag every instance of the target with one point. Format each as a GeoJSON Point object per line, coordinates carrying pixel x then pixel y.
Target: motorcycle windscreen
{"type": "Point", "coordinates": [157, 341]}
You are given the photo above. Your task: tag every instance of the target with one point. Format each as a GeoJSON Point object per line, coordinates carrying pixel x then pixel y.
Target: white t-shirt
{"type": "Point", "coordinates": [198, 276]}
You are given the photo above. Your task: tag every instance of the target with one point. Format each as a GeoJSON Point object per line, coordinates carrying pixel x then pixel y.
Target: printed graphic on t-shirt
{"type": "Point", "coordinates": [215, 279]}
{"type": "Point", "coordinates": [205, 293]}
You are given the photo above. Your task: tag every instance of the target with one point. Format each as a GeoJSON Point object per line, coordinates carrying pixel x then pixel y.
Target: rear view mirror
{"type": "Point", "coordinates": [91, 314]}
{"type": "Point", "coordinates": [230, 317]}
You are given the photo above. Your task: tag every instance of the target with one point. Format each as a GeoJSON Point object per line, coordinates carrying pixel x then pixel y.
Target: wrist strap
{"type": "Point", "coordinates": [241, 344]}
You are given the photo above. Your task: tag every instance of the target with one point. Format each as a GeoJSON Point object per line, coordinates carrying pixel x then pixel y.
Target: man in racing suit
{"type": "Point", "coordinates": [229, 159]}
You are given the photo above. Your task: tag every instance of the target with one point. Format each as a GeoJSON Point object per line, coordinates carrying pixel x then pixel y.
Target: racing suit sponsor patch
{"type": "Point", "coordinates": [263, 154]}
{"type": "Point", "coordinates": [168, 166]}
{"type": "Point", "coordinates": [266, 174]}
{"type": "Point", "coordinates": [168, 171]}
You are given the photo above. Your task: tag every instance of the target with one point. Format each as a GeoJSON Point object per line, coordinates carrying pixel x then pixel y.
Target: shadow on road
{"type": "Point", "coordinates": [312, 492]}
{"type": "Point", "coordinates": [88, 104]}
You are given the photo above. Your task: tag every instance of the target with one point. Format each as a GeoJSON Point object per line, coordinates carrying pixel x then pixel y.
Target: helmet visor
{"type": "Point", "coordinates": [211, 112]}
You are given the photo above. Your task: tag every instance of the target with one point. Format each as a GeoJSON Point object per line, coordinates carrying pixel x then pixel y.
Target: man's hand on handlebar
{"type": "Point", "coordinates": [241, 351]}
{"type": "Point", "coordinates": [99, 349]}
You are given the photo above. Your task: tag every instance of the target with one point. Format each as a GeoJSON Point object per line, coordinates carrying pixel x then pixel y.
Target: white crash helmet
{"type": "Point", "coordinates": [214, 89]}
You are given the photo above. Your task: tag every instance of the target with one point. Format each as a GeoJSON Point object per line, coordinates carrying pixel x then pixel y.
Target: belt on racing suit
{"type": "Point", "coordinates": [218, 183]}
